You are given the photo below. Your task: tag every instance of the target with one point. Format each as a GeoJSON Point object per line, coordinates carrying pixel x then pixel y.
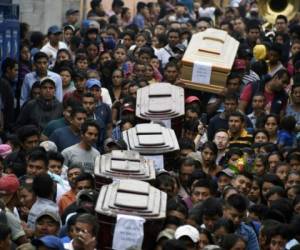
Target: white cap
{"type": "Point", "coordinates": [189, 231]}
{"type": "Point", "coordinates": [49, 146]}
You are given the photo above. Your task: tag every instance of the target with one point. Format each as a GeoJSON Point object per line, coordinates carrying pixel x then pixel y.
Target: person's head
{"type": "Point", "coordinates": [294, 161]}
{"type": "Point", "coordinates": [277, 237]}
{"type": "Point", "coordinates": [255, 192]}
{"type": "Point", "coordinates": [235, 208]}
{"type": "Point", "coordinates": [54, 35]}
{"type": "Point", "coordinates": [261, 136]}
{"type": "Point", "coordinates": [258, 102]}
{"type": "Point", "coordinates": [85, 224]}
{"type": "Point", "coordinates": [68, 33]}
{"type": "Point", "coordinates": [93, 86]}
{"type": "Point", "coordinates": [253, 31]}
{"type": "Point", "coordinates": [29, 137]}
{"type": "Point", "coordinates": [282, 170]}
{"type": "Point", "coordinates": [66, 76]}
{"type": "Point", "coordinates": [117, 77]}
{"type": "Point", "coordinates": [9, 68]}
{"type": "Point", "coordinates": [233, 242]}
{"type": "Point", "coordinates": [230, 103]}
{"type": "Point", "coordinates": [233, 83]}
{"type": "Point", "coordinates": [89, 103]}
{"type": "Point", "coordinates": [272, 159]}
{"type": "Point", "coordinates": [9, 185]}
{"type": "Point", "coordinates": [268, 181]}
{"type": "Point", "coordinates": [173, 37]}
{"type": "Point", "coordinates": [209, 153]}
{"type": "Point", "coordinates": [293, 179]}
{"type": "Point", "coordinates": [260, 164]}
{"type": "Point", "coordinates": [188, 235]}
{"type": "Point", "coordinates": [47, 89]}
{"type": "Point", "coordinates": [271, 124]}
{"type": "Point", "coordinates": [205, 238]}
{"type": "Point", "coordinates": [243, 182]}
{"type": "Point", "coordinates": [224, 178]}
{"type": "Point", "coordinates": [236, 123]}
{"type": "Point", "coordinates": [26, 196]}
{"type": "Point", "coordinates": [43, 186]}
{"type": "Point", "coordinates": [211, 210]}
{"type": "Point", "coordinates": [295, 94]}
{"type": "Point", "coordinates": [221, 139]}
{"type": "Point", "coordinates": [78, 117]}
{"type": "Point", "coordinates": [37, 163]}
{"type": "Point", "coordinates": [170, 72]}
{"type": "Point", "coordinates": [288, 123]}
{"type": "Point", "coordinates": [81, 61]}
{"type": "Point", "coordinates": [221, 228]}
{"type": "Point", "coordinates": [275, 53]}
{"type": "Point", "coordinates": [281, 23]}
{"type": "Point", "coordinates": [274, 194]}
{"type": "Point", "coordinates": [73, 171]}
{"type": "Point", "coordinates": [186, 146]}
{"type": "Point", "coordinates": [203, 23]}
{"type": "Point", "coordinates": [84, 181]}
{"type": "Point", "coordinates": [190, 129]}
{"type": "Point", "coordinates": [120, 54]}
{"type": "Point", "coordinates": [55, 162]}
{"type": "Point", "coordinates": [47, 223]}
{"type": "Point", "coordinates": [186, 169]}
{"type": "Point", "coordinates": [280, 79]}
{"type": "Point", "coordinates": [89, 131]}
{"type": "Point", "coordinates": [5, 237]}
{"type": "Point", "coordinates": [202, 190]}
{"type": "Point", "coordinates": [239, 25]}
{"type": "Point", "coordinates": [41, 61]}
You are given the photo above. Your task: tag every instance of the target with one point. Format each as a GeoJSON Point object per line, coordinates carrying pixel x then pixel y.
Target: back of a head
{"type": "Point", "coordinates": [43, 186]}
{"type": "Point", "coordinates": [238, 202]}
{"type": "Point", "coordinates": [229, 240]}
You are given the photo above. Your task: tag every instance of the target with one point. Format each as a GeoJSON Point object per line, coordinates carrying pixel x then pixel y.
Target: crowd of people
{"type": "Point", "coordinates": [235, 182]}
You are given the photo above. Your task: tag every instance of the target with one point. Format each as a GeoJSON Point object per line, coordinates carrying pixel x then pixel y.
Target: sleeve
{"type": "Point", "coordinates": [106, 97]}
{"type": "Point", "coordinates": [15, 225]}
{"type": "Point", "coordinates": [59, 90]}
{"type": "Point", "coordinates": [54, 138]}
{"type": "Point", "coordinates": [246, 93]}
{"type": "Point", "coordinates": [252, 243]}
{"type": "Point", "coordinates": [24, 116]}
{"type": "Point", "coordinates": [65, 154]}
{"type": "Point", "coordinates": [25, 90]}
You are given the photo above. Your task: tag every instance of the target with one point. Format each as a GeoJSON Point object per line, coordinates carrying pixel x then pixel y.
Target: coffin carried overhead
{"type": "Point", "coordinates": [208, 60]}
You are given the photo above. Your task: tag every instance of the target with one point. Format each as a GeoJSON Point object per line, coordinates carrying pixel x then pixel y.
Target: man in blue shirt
{"type": "Point", "coordinates": [235, 209]}
{"type": "Point", "coordinates": [142, 12]}
{"type": "Point", "coordinates": [41, 61]}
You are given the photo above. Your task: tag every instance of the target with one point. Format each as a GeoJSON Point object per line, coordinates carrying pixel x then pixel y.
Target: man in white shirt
{"type": "Point", "coordinates": [54, 44]}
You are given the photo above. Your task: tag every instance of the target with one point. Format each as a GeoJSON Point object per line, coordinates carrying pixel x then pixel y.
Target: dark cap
{"type": "Point", "coordinates": [87, 194]}
{"type": "Point", "coordinates": [70, 12]}
{"type": "Point", "coordinates": [54, 30]}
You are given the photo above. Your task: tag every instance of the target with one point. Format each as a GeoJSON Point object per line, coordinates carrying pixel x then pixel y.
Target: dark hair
{"type": "Point", "coordinates": [40, 55]}
{"type": "Point", "coordinates": [8, 63]}
{"type": "Point", "coordinates": [27, 131]}
{"type": "Point", "coordinates": [38, 154]}
{"type": "Point", "coordinates": [174, 245]}
{"type": "Point", "coordinates": [283, 17]}
{"type": "Point", "coordinates": [56, 156]}
{"type": "Point", "coordinates": [211, 207]}
{"type": "Point", "coordinates": [43, 186]}
{"type": "Point", "coordinates": [275, 190]}
{"type": "Point", "coordinates": [239, 115]}
{"type": "Point", "coordinates": [208, 235]}
{"type": "Point", "coordinates": [238, 202]}
{"type": "Point", "coordinates": [260, 67]}
{"type": "Point", "coordinates": [95, 3]}
{"type": "Point", "coordinates": [37, 39]}
{"type": "Point", "coordinates": [227, 224]}
{"type": "Point", "coordinates": [288, 123]}
{"type": "Point", "coordinates": [191, 125]}
{"type": "Point", "coordinates": [185, 143]}
{"type": "Point", "coordinates": [246, 174]}
{"type": "Point", "coordinates": [229, 240]}
{"type": "Point", "coordinates": [207, 183]}
{"type": "Point", "coordinates": [87, 124]}
{"type": "Point", "coordinates": [281, 73]}
{"type": "Point", "coordinates": [231, 97]}
{"type": "Point", "coordinates": [210, 145]}
{"type": "Point", "coordinates": [91, 220]}
{"type": "Point", "coordinates": [177, 205]}
{"type": "Point", "coordinates": [272, 178]}
{"type": "Point", "coordinates": [261, 131]}
{"type": "Point", "coordinates": [140, 6]}
{"type": "Point", "coordinates": [85, 177]}
{"type": "Point", "coordinates": [76, 110]}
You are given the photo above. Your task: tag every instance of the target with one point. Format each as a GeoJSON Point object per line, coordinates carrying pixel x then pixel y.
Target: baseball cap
{"type": "Point", "coordinates": [166, 233]}
{"type": "Point", "coordinates": [70, 12]}
{"type": "Point", "coordinates": [9, 184]}
{"type": "Point", "coordinates": [49, 146]}
{"type": "Point", "coordinates": [54, 30]}
{"type": "Point", "coordinates": [227, 171]}
{"type": "Point", "coordinates": [47, 80]}
{"type": "Point", "coordinates": [191, 99]}
{"type": "Point", "coordinates": [87, 194]}
{"type": "Point", "coordinates": [5, 150]}
{"type": "Point", "coordinates": [188, 231]}
{"type": "Point", "coordinates": [51, 213]}
{"type": "Point", "coordinates": [50, 241]}
{"type": "Point", "coordinates": [92, 82]}
{"type": "Point", "coordinates": [127, 107]}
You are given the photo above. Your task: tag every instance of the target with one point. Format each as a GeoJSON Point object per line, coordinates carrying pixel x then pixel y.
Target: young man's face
{"type": "Point", "coordinates": [89, 104]}
{"type": "Point", "coordinates": [80, 84]}
{"type": "Point", "coordinates": [281, 25]}
{"type": "Point", "coordinates": [221, 139]}
{"type": "Point", "coordinates": [185, 173]}
{"type": "Point", "coordinates": [82, 64]}
{"type": "Point", "coordinates": [55, 167]}
{"type": "Point", "coordinates": [173, 39]}
{"type": "Point", "coordinates": [78, 120]}
{"type": "Point", "coordinates": [234, 215]}
{"type": "Point", "coordinates": [200, 194]}
{"type": "Point", "coordinates": [72, 174]}
{"type": "Point", "coordinates": [83, 185]}
{"type": "Point", "coordinates": [42, 65]}
{"type": "Point", "coordinates": [230, 106]}
{"type": "Point", "coordinates": [258, 102]}
{"type": "Point", "coordinates": [46, 225]}
{"type": "Point", "coordinates": [233, 85]}
{"type": "Point", "coordinates": [47, 91]}
{"type": "Point", "coordinates": [35, 168]}
{"type": "Point", "coordinates": [91, 135]}
{"type": "Point", "coordinates": [31, 142]}
{"type": "Point", "coordinates": [12, 73]}
{"type": "Point", "coordinates": [235, 124]}
{"type": "Point", "coordinates": [242, 184]}
{"type": "Point", "coordinates": [171, 74]}
{"type": "Point", "coordinates": [223, 181]}
{"type": "Point", "coordinates": [253, 35]}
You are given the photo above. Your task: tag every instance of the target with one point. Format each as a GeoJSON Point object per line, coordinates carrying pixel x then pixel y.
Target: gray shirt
{"type": "Point", "coordinates": [86, 158]}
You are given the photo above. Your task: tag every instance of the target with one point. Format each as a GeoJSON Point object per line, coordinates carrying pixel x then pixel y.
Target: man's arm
{"type": "Point", "coordinates": [25, 90]}
{"type": "Point", "coordinates": [59, 90]}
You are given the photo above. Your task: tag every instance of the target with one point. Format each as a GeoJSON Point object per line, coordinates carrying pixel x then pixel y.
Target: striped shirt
{"type": "Point", "coordinates": [242, 141]}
